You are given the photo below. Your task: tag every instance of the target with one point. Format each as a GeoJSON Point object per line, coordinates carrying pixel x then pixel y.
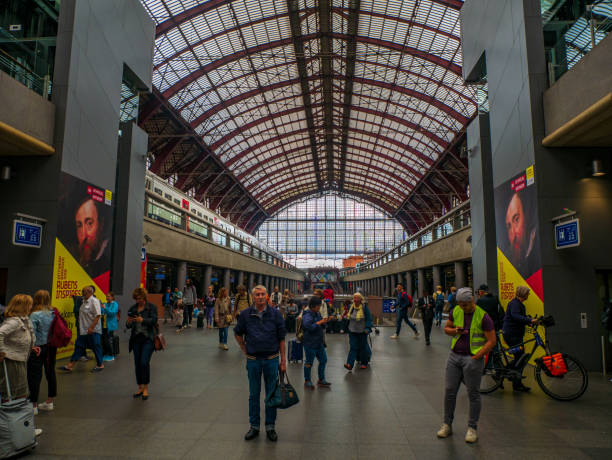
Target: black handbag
{"type": "Point", "coordinates": [284, 395]}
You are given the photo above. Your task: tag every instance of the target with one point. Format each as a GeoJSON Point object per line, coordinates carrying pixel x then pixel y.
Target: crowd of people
{"type": "Point", "coordinates": [262, 322]}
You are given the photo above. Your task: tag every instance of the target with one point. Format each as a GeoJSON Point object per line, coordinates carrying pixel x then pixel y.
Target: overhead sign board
{"type": "Point", "coordinates": [567, 234]}
{"type": "Point", "coordinates": [27, 234]}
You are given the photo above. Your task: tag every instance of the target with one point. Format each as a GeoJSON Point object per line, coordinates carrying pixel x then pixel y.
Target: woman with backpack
{"type": "Point", "coordinates": [41, 317]}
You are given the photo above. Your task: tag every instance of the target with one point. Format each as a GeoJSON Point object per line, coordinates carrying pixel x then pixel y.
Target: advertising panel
{"type": "Point", "coordinates": [82, 247]}
{"type": "Point", "coordinates": [518, 241]}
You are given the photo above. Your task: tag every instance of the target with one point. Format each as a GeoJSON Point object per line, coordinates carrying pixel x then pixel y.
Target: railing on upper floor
{"type": "Point", "coordinates": [21, 73]}
{"type": "Point", "coordinates": [456, 219]}
{"type": "Point", "coordinates": [167, 212]}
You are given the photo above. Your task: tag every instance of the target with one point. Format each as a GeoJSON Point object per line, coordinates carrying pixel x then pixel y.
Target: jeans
{"type": "Point", "coordinates": [438, 315]}
{"type": "Point", "coordinates": [358, 343]}
{"type": "Point", "coordinates": [402, 314]}
{"type": "Point", "coordinates": [223, 335]}
{"type": "Point", "coordinates": [143, 350]}
{"type": "Point", "coordinates": [91, 341]}
{"type": "Point", "coordinates": [187, 314]}
{"type": "Point", "coordinates": [45, 360]}
{"type": "Point", "coordinates": [462, 368]}
{"type": "Point", "coordinates": [255, 369]}
{"type": "Point", "coordinates": [311, 354]}
{"type": "Point", "coordinates": [427, 324]}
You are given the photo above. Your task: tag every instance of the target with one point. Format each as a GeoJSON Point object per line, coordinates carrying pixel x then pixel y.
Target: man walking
{"type": "Point", "coordinates": [260, 333]}
{"type": "Point", "coordinates": [90, 331]}
{"type": "Point", "coordinates": [403, 303]}
{"type": "Point", "coordinates": [190, 296]}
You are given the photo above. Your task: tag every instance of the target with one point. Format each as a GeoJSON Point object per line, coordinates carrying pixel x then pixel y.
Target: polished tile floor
{"type": "Point", "coordinates": [198, 409]}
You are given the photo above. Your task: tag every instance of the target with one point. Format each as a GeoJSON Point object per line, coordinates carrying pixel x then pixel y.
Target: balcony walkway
{"type": "Point", "coordinates": [198, 409]}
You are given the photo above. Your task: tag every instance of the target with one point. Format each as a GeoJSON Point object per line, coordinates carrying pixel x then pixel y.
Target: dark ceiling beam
{"type": "Point", "coordinates": [351, 56]}
{"type": "Point", "coordinates": [326, 75]}
{"type": "Point", "coordinates": [252, 225]}
{"type": "Point", "coordinates": [218, 200]}
{"type": "Point", "coordinates": [163, 154]}
{"type": "Point", "coordinates": [204, 188]}
{"type": "Point", "coordinates": [298, 46]}
{"type": "Point", "coordinates": [189, 170]}
{"type": "Point", "coordinates": [414, 52]}
{"type": "Point", "coordinates": [204, 7]}
{"type": "Point", "coordinates": [148, 109]}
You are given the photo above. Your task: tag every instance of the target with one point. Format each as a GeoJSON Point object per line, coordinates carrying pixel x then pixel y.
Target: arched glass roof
{"type": "Point", "coordinates": [299, 96]}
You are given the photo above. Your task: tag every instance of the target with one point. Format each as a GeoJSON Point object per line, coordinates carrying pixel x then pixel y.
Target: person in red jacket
{"type": "Point", "coordinates": [328, 295]}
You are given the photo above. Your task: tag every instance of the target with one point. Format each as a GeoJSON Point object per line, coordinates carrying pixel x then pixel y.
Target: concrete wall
{"type": "Point", "coordinates": [26, 110]}
{"type": "Point", "coordinates": [446, 250]}
{"type": "Point", "coordinates": [509, 32]}
{"type": "Point", "coordinates": [171, 243]}
{"type": "Point", "coordinates": [579, 88]}
{"type": "Point", "coordinates": [95, 40]}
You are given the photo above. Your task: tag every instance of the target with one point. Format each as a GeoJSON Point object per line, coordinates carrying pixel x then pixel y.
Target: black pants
{"type": "Point", "coordinates": [513, 340]}
{"type": "Point", "coordinates": [143, 350]}
{"type": "Point", "coordinates": [45, 360]}
{"type": "Point", "coordinates": [187, 314]}
{"type": "Point", "coordinates": [427, 324]}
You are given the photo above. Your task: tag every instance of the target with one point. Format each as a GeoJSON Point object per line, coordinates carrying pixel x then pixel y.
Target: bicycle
{"type": "Point", "coordinates": [559, 375]}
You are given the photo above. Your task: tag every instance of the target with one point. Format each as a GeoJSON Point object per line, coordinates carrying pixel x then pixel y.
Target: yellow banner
{"type": "Point", "coordinates": [69, 278]}
{"type": "Point", "coordinates": [509, 279]}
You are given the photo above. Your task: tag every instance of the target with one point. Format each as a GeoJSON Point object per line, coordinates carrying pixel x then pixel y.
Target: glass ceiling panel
{"type": "Point", "coordinates": [406, 107]}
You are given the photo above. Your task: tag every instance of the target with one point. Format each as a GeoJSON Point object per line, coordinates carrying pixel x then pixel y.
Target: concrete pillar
{"type": "Point", "coordinates": [408, 283]}
{"type": "Point", "coordinates": [207, 277]}
{"type": "Point", "coordinates": [460, 274]}
{"type": "Point", "coordinates": [436, 276]}
{"type": "Point", "coordinates": [259, 279]}
{"type": "Point", "coordinates": [240, 278]}
{"type": "Point", "coordinates": [391, 285]}
{"type": "Point", "coordinates": [421, 282]}
{"type": "Point", "coordinates": [181, 275]}
{"type": "Point", "coordinates": [251, 281]}
{"type": "Point", "coordinates": [226, 279]}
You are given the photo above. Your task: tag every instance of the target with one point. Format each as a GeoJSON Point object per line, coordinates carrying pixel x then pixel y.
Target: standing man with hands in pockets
{"type": "Point", "coordinates": [260, 333]}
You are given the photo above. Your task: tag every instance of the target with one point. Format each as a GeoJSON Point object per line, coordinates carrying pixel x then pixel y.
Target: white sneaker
{"type": "Point", "coordinates": [471, 435]}
{"type": "Point", "coordinates": [35, 410]}
{"type": "Point", "coordinates": [445, 431]}
{"type": "Point", "coordinates": [416, 335]}
{"type": "Point", "coordinates": [395, 336]}
{"type": "Point", "coordinates": [225, 347]}
{"type": "Point", "coordinates": [37, 431]}
{"type": "Point", "coordinates": [46, 406]}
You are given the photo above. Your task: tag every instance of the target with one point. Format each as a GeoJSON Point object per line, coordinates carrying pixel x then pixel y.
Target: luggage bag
{"type": "Point", "coordinates": [115, 345]}
{"type": "Point", "coordinates": [16, 424]}
{"type": "Point", "coordinates": [296, 351]}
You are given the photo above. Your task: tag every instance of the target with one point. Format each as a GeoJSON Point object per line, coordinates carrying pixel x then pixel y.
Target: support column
{"type": "Point", "coordinates": [240, 278]}
{"type": "Point", "coordinates": [251, 281]}
{"type": "Point", "coordinates": [181, 275]}
{"type": "Point", "coordinates": [421, 282]}
{"type": "Point", "coordinates": [408, 283]}
{"type": "Point", "coordinates": [226, 279]}
{"type": "Point", "coordinates": [436, 276]}
{"type": "Point", "coordinates": [460, 274]}
{"type": "Point", "coordinates": [207, 277]}
{"type": "Point", "coordinates": [259, 279]}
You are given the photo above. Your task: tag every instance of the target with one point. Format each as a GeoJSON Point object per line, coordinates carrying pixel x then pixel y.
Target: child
{"type": "Point", "coordinates": [178, 316]}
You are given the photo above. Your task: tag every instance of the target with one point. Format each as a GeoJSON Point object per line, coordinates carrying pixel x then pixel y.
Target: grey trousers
{"type": "Point", "coordinates": [462, 368]}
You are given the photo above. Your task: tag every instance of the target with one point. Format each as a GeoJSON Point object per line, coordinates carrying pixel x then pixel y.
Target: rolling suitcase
{"type": "Point", "coordinates": [115, 345]}
{"type": "Point", "coordinates": [296, 351]}
{"type": "Point", "coordinates": [200, 321]}
{"type": "Point", "coordinates": [16, 424]}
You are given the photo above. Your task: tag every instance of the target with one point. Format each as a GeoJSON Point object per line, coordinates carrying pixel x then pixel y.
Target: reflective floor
{"type": "Point", "coordinates": [198, 409]}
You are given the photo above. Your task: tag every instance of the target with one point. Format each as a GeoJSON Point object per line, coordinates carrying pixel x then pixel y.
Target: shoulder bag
{"type": "Point", "coordinates": [159, 342]}
{"type": "Point", "coordinates": [284, 395]}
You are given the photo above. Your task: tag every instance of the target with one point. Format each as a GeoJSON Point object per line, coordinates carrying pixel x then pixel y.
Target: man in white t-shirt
{"type": "Point", "coordinates": [90, 329]}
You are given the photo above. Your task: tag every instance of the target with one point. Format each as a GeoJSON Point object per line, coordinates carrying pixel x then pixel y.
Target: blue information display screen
{"type": "Point", "coordinates": [27, 234]}
{"type": "Point", "coordinates": [389, 306]}
{"type": "Point", "coordinates": [567, 234]}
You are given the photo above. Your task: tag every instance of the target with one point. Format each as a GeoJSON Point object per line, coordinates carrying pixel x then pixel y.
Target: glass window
{"type": "Point", "coordinates": [234, 244]}
{"type": "Point", "coordinates": [219, 237]}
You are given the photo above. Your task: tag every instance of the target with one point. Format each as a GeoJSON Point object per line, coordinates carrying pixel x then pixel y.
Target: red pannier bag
{"type": "Point", "coordinates": [555, 364]}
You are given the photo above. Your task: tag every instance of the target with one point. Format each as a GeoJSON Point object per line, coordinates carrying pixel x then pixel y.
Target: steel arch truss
{"type": "Point", "coordinates": [262, 102]}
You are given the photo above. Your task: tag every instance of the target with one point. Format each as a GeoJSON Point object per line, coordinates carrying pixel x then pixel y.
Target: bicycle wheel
{"type": "Point", "coordinates": [492, 374]}
{"type": "Point", "coordinates": [567, 387]}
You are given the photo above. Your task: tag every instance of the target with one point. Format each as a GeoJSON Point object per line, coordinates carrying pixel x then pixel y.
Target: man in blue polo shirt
{"type": "Point", "coordinates": [260, 333]}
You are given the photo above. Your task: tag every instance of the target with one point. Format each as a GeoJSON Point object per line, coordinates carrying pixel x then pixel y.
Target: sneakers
{"type": "Point", "coordinates": [395, 336]}
{"type": "Point", "coordinates": [348, 367]}
{"type": "Point", "coordinates": [308, 385]}
{"type": "Point", "coordinates": [323, 383]}
{"type": "Point", "coordinates": [46, 406]}
{"type": "Point", "coordinates": [471, 435]}
{"type": "Point", "coordinates": [84, 358]}
{"type": "Point", "coordinates": [108, 358]}
{"type": "Point", "coordinates": [37, 431]}
{"type": "Point", "coordinates": [416, 335]}
{"type": "Point", "coordinates": [225, 347]}
{"type": "Point", "coordinates": [445, 431]}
